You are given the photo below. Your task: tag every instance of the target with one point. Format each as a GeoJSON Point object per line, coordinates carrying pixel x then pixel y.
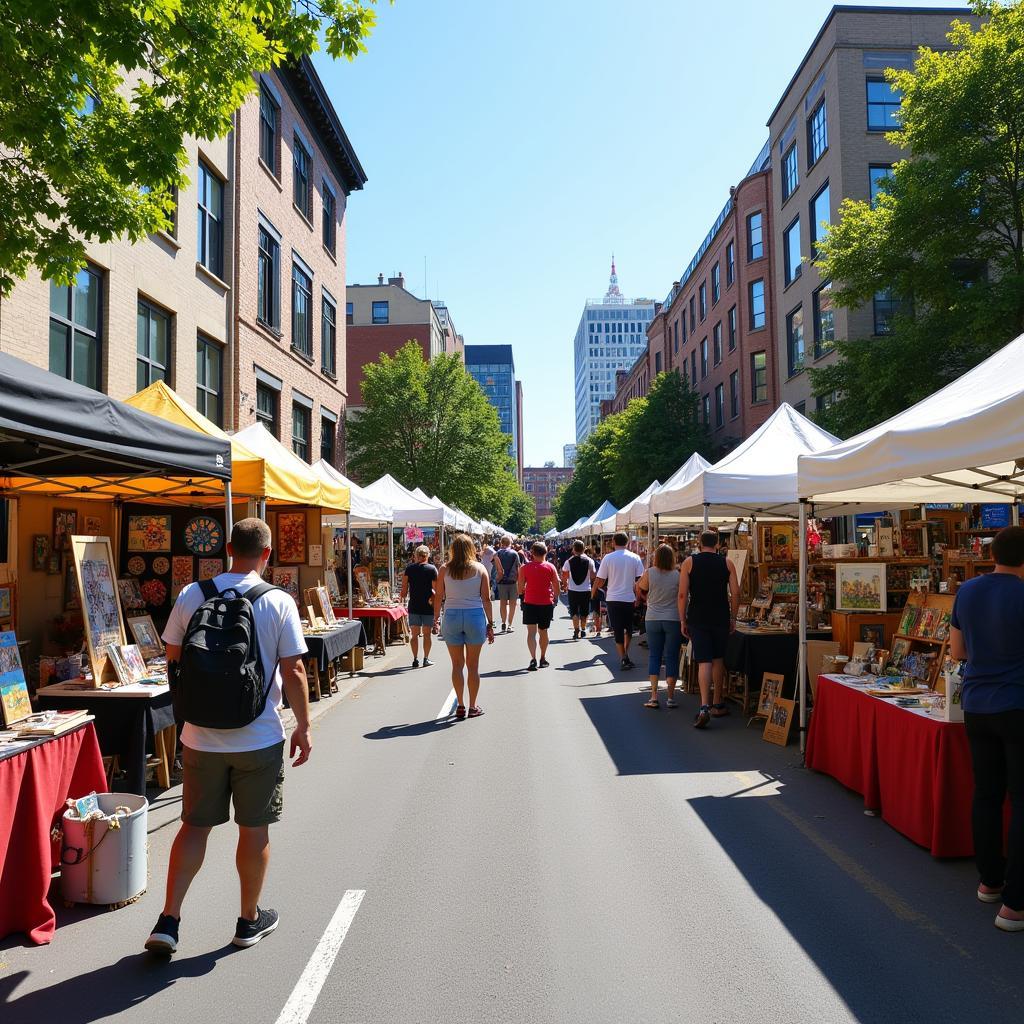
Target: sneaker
{"type": "Point", "coordinates": [988, 895]}
{"type": "Point", "coordinates": [575, 634]}
{"type": "Point", "coordinates": [164, 937]}
{"type": "Point", "coordinates": [1009, 924]}
{"type": "Point", "coordinates": [532, 667]}
{"type": "Point", "coordinates": [427, 663]}
{"type": "Point", "coordinates": [248, 933]}
{"type": "Point", "coordinates": [544, 663]}
{"type": "Point", "coordinates": [415, 662]}
{"type": "Point", "coordinates": [702, 718]}
{"type": "Point", "coordinates": [504, 627]}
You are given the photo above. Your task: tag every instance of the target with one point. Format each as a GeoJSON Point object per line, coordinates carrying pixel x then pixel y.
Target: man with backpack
{"type": "Point", "coordinates": [577, 577]}
{"type": "Point", "coordinates": [233, 643]}
{"type": "Point", "coordinates": [508, 592]}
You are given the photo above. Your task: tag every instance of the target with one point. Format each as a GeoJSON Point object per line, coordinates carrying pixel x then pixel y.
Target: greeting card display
{"type": "Point", "coordinates": [291, 537]}
{"type": "Point", "coordinates": [149, 533]}
{"type": "Point", "coordinates": [101, 610]}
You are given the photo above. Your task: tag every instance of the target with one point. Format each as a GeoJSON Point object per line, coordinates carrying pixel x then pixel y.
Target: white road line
{"type": "Point", "coordinates": [307, 989]}
{"type": "Point", "coordinates": [447, 707]}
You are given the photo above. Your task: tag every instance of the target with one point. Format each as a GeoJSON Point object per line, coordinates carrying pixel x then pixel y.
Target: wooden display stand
{"type": "Point", "coordinates": [846, 628]}
{"type": "Point", "coordinates": [928, 637]}
{"type": "Point", "coordinates": [959, 568]}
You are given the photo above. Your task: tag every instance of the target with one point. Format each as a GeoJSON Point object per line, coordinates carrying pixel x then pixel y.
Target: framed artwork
{"type": "Point", "coordinates": [780, 721]}
{"type": "Point", "coordinates": [771, 691]}
{"type": "Point", "coordinates": [92, 525]}
{"type": "Point", "coordinates": [383, 591]}
{"type": "Point", "coordinates": [288, 580]}
{"type": "Point", "coordinates": [130, 592]}
{"type": "Point", "coordinates": [873, 633]}
{"type": "Point", "coordinates": [860, 587]}
{"type": "Point", "coordinates": [181, 573]}
{"type": "Point", "coordinates": [210, 567]}
{"type": "Point", "coordinates": [362, 575]}
{"type": "Point", "coordinates": [53, 565]}
{"type": "Point", "coordinates": [93, 563]}
{"type": "Point", "coordinates": [900, 650]}
{"type": "Point", "coordinates": [146, 637]}
{"type": "Point", "coordinates": [316, 554]}
{"type": "Point", "coordinates": [204, 535]}
{"type": "Point", "coordinates": [291, 537]}
{"type": "Point", "coordinates": [14, 697]}
{"type": "Point", "coordinates": [154, 593]}
{"type": "Point", "coordinates": [322, 604]}
{"type": "Point", "coordinates": [149, 533]}
{"type": "Point", "coordinates": [40, 551]}
{"type": "Point", "coordinates": [128, 663]}
{"type": "Point", "coordinates": [331, 578]}
{"type": "Point", "coordinates": [65, 523]}
{"type": "Point", "coordinates": [72, 600]}
{"type": "Point", "coordinates": [743, 612]}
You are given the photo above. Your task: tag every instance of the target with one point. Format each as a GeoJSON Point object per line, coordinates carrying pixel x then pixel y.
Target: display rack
{"type": "Point", "coordinates": [957, 567]}
{"type": "Point", "coordinates": [923, 631]}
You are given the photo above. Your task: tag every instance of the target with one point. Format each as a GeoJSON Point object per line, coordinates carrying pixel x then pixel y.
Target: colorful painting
{"type": "Point", "coordinates": [65, 523]}
{"type": "Point", "coordinates": [873, 633]}
{"type": "Point", "coordinates": [154, 593]}
{"type": "Point", "coordinates": [146, 636]}
{"type": "Point", "coordinates": [93, 526]}
{"type": "Point", "coordinates": [72, 599]}
{"type": "Point", "coordinates": [780, 720]}
{"type": "Point", "coordinates": [53, 565]}
{"type": "Point", "coordinates": [40, 551]}
{"type": "Point", "coordinates": [331, 578]}
{"type": "Point", "coordinates": [13, 690]}
{"type": "Point", "coordinates": [771, 690]}
{"type": "Point", "coordinates": [149, 533]}
{"type": "Point", "coordinates": [136, 565]}
{"type": "Point", "coordinates": [130, 592]}
{"type": "Point", "coordinates": [288, 580]}
{"type": "Point", "coordinates": [291, 537]}
{"type": "Point", "coordinates": [128, 663]}
{"type": "Point", "coordinates": [101, 609]}
{"type": "Point", "coordinates": [210, 567]}
{"type": "Point", "coordinates": [860, 587]}
{"type": "Point", "coordinates": [204, 536]}
{"type": "Point", "coordinates": [181, 573]}
{"type": "Point", "coordinates": [161, 566]}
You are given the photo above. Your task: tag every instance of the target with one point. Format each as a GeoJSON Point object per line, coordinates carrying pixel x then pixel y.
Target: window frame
{"type": "Point", "coordinates": [271, 421]}
{"type": "Point", "coordinates": [704, 358]}
{"type": "Point", "coordinates": [730, 262]}
{"type": "Point", "coordinates": [204, 343]}
{"type": "Point", "coordinates": [813, 221]}
{"type": "Point", "coordinates": [795, 366]}
{"type": "Point", "coordinates": [893, 124]}
{"type": "Point", "coordinates": [328, 336]}
{"type": "Point", "coordinates": [822, 345]}
{"type": "Point", "coordinates": [790, 171]}
{"type": "Point", "coordinates": [205, 254]}
{"type": "Point", "coordinates": [69, 323]}
{"type": "Point", "coordinates": [274, 164]}
{"type": "Point", "coordinates": [329, 216]}
{"type": "Point", "coordinates": [702, 293]}
{"type": "Point", "coordinates": [874, 192]}
{"type": "Point", "coordinates": [733, 321]}
{"type": "Point", "coordinates": [813, 133]}
{"type": "Point", "coordinates": [716, 283]}
{"type": "Point", "coordinates": [303, 175]}
{"type": "Point", "coordinates": [734, 394]}
{"type": "Point", "coordinates": [716, 343]}
{"type": "Point", "coordinates": [758, 378]}
{"type": "Point", "coordinates": [789, 272]}
{"type": "Point", "coordinates": [305, 350]}
{"type": "Point", "coordinates": [328, 429]}
{"type": "Point", "coordinates": [268, 273]}
{"type": "Point", "coordinates": [751, 244]}
{"type": "Point", "coordinates": [387, 312]}
{"type": "Point", "coordinates": [152, 312]}
{"type": "Point", "coordinates": [302, 412]}
{"type": "Point", "coordinates": [719, 405]}
{"type": "Point", "coordinates": [752, 319]}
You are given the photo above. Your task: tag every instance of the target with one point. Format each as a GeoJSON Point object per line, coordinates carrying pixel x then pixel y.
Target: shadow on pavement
{"type": "Point", "coordinates": [393, 732]}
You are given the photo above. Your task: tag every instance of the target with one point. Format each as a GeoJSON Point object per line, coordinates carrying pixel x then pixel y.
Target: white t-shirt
{"type": "Point", "coordinates": [486, 557]}
{"type": "Point", "coordinates": [279, 633]}
{"type": "Point", "coordinates": [567, 568]}
{"type": "Point", "coordinates": [621, 568]}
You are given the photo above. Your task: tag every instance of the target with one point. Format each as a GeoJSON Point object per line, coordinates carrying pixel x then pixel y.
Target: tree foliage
{"type": "Point", "coordinates": [947, 232]}
{"type": "Point", "coordinates": [97, 97]}
{"type": "Point", "coordinates": [522, 513]}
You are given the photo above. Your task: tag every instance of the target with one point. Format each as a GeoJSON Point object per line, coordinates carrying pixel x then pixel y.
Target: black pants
{"type": "Point", "coordinates": [997, 751]}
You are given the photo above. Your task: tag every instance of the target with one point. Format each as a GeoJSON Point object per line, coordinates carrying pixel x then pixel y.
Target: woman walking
{"type": "Point", "coordinates": [660, 585]}
{"type": "Point", "coordinates": [464, 587]}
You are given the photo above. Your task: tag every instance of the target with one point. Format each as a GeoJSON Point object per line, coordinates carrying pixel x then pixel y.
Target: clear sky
{"type": "Point", "coordinates": [516, 146]}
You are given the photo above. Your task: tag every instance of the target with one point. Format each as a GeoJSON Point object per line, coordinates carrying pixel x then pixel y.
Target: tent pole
{"type": "Point", "coordinates": [801, 667]}
{"type": "Point", "coordinates": [348, 558]}
{"type": "Point", "coordinates": [1015, 514]}
{"type": "Point", "coordinates": [391, 558]}
{"type": "Point", "coordinates": [227, 508]}
{"type": "Point", "coordinates": [707, 518]}
{"type": "Point", "coordinates": [754, 538]}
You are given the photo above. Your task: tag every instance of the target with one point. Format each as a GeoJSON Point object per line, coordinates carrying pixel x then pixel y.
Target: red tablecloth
{"type": "Point", "coordinates": [395, 614]}
{"type": "Point", "coordinates": [33, 788]}
{"type": "Point", "coordinates": [915, 770]}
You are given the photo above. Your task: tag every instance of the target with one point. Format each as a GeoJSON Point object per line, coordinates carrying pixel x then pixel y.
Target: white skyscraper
{"type": "Point", "coordinates": [611, 336]}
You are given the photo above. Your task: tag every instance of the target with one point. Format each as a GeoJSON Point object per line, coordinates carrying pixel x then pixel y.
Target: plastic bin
{"type": "Point", "coordinates": [103, 865]}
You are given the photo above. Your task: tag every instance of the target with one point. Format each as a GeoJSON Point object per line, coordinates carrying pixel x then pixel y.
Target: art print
{"type": "Point", "coordinates": [780, 721]}
{"type": "Point", "coordinates": [101, 608]}
{"type": "Point", "coordinates": [128, 663]}
{"type": "Point", "coordinates": [6, 602]}
{"type": "Point", "coordinates": [13, 689]}
{"type": "Point", "coordinates": [860, 587]}
{"type": "Point", "coordinates": [161, 565]}
{"type": "Point", "coordinates": [204, 535]}
{"type": "Point", "coordinates": [53, 565]}
{"type": "Point", "coordinates": [210, 567]}
{"type": "Point", "coordinates": [771, 690]}
{"type": "Point", "coordinates": [154, 593]}
{"type": "Point", "coordinates": [65, 523]}
{"type": "Point", "coordinates": [873, 633]}
{"type": "Point", "coordinates": [291, 537]}
{"type": "Point", "coordinates": [149, 533]}
{"type": "Point", "coordinates": [288, 580]}
{"type": "Point", "coordinates": [130, 592]}
{"type": "Point", "coordinates": [72, 598]}
{"type": "Point", "coordinates": [146, 637]}
{"type": "Point", "coordinates": [326, 608]}
{"type": "Point", "coordinates": [136, 565]}
{"type": "Point", "coordinates": [40, 551]}
{"type": "Point", "coordinates": [93, 526]}
{"type": "Point", "coordinates": [181, 573]}
{"type": "Point", "coordinates": [333, 589]}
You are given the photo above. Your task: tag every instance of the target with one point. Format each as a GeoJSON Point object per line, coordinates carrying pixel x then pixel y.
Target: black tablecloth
{"type": "Point", "coordinates": [325, 647]}
{"type": "Point", "coordinates": [753, 654]}
{"type": "Point", "coordinates": [125, 726]}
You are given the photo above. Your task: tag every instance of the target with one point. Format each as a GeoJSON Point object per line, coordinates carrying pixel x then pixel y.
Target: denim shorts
{"type": "Point", "coordinates": [416, 619]}
{"type": "Point", "coordinates": [464, 626]}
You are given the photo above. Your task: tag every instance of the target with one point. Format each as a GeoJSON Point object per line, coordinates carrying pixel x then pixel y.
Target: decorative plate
{"type": "Point", "coordinates": [161, 566]}
{"type": "Point", "coordinates": [136, 565]}
{"type": "Point", "coordinates": [204, 535]}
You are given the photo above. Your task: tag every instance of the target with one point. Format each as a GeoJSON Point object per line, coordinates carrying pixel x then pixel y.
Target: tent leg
{"type": "Point", "coordinates": [391, 558]}
{"type": "Point", "coordinates": [753, 539]}
{"type": "Point", "coordinates": [801, 666]}
{"type": "Point", "coordinates": [707, 516]}
{"type": "Point", "coordinates": [348, 560]}
{"type": "Point", "coordinates": [440, 553]}
{"type": "Point", "coordinates": [1015, 514]}
{"type": "Point", "coordinates": [227, 508]}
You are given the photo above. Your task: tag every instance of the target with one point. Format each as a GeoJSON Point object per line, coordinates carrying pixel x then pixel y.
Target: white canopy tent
{"type": "Point", "coordinates": [568, 531]}
{"type": "Point", "coordinates": [633, 512]}
{"type": "Point", "coordinates": [408, 509]}
{"type": "Point", "coordinates": [592, 524]}
{"type": "Point", "coordinates": [692, 467]}
{"type": "Point", "coordinates": [551, 534]}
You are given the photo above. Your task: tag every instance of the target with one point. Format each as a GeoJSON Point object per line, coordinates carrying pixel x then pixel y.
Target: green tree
{"type": "Point", "coordinates": [522, 514]}
{"type": "Point", "coordinates": [591, 483]}
{"type": "Point", "coordinates": [430, 425]}
{"type": "Point", "coordinates": [946, 235]}
{"type": "Point", "coordinates": [97, 96]}
{"type": "Point", "coordinates": [547, 523]}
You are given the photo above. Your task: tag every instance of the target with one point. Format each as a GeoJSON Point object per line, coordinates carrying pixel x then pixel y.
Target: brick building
{"type": "Point", "coordinates": [542, 483]}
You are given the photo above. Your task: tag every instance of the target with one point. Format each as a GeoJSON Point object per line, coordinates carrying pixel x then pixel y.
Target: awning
{"type": "Point", "coordinates": [408, 509]}
{"type": "Point", "coordinates": [365, 511]}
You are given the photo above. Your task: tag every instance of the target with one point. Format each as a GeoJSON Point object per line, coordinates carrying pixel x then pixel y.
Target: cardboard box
{"type": "Point", "coordinates": [839, 551]}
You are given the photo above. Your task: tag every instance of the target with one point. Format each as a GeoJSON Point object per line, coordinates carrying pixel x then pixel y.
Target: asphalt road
{"type": "Point", "coordinates": [569, 857]}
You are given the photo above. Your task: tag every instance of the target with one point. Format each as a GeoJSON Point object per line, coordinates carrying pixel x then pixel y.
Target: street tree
{"type": "Point", "coordinates": [522, 513]}
{"type": "Point", "coordinates": [97, 97]}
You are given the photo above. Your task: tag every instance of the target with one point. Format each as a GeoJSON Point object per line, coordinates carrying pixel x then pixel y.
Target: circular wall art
{"type": "Point", "coordinates": [136, 565]}
{"type": "Point", "coordinates": [204, 535]}
{"type": "Point", "coordinates": [161, 566]}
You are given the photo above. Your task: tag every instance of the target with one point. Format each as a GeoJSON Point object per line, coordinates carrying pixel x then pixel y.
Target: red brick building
{"type": "Point", "coordinates": [542, 483]}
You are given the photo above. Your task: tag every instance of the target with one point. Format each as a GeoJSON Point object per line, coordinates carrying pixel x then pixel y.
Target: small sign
{"type": "Point", "coordinates": [995, 517]}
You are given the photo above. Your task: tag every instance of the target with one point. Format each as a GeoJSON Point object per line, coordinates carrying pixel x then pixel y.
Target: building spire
{"type": "Point", "coordinates": [613, 295]}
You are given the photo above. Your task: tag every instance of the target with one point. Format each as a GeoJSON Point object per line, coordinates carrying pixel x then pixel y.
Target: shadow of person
{"type": "Point", "coordinates": [106, 992]}
{"type": "Point", "coordinates": [393, 732]}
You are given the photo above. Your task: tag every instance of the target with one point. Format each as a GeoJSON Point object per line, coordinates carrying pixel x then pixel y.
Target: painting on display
{"type": "Point", "coordinates": [92, 525]}
{"type": "Point", "coordinates": [128, 663]}
{"type": "Point", "coordinates": [53, 565]}
{"type": "Point", "coordinates": [771, 690]}
{"type": "Point", "coordinates": [291, 537]}
{"type": "Point", "coordinates": [154, 593]}
{"type": "Point", "coordinates": [288, 580]}
{"type": "Point", "coordinates": [13, 689]}
{"type": "Point", "coordinates": [149, 533]}
{"type": "Point", "coordinates": [130, 592]}
{"type": "Point", "coordinates": [860, 587]}
{"type": "Point", "coordinates": [181, 573]}
{"type": "Point", "coordinates": [331, 578]}
{"type": "Point", "coordinates": [146, 637]}
{"type": "Point", "coordinates": [204, 535]}
{"type": "Point", "coordinates": [93, 563]}
{"type": "Point", "coordinates": [326, 608]}
{"type": "Point", "coordinates": [72, 600]}
{"type": "Point", "coordinates": [65, 523]}
{"type": "Point", "coordinates": [780, 721]}
{"type": "Point", "coordinates": [210, 567]}
{"type": "Point", "coordinates": [40, 551]}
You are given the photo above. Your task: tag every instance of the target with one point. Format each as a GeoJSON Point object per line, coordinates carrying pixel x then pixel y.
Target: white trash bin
{"type": "Point", "coordinates": [104, 865]}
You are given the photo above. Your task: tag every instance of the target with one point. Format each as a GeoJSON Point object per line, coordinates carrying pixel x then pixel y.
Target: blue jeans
{"type": "Point", "coordinates": [664, 638]}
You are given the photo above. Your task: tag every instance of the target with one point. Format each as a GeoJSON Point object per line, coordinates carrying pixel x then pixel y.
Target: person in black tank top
{"type": "Point", "coordinates": [709, 594]}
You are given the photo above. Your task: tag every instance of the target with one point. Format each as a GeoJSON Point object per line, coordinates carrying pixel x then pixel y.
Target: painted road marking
{"type": "Point", "coordinates": [304, 996]}
{"type": "Point", "coordinates": [447, 708]}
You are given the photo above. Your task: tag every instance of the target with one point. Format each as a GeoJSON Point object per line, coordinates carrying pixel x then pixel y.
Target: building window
{"type": "Point", "coordinates": [821, 217]}
{"type": "Point", "coordinates": [152, 345]}
{"type": "Point", "coordinates": [330, 216]}
{"type": "Point", "coordinates": [720, 405]}
{"type": "Point", "coordinates": [707, 410]}
{"type": "Point", "coordinates": [329, 337]}
{"type": "Point", "coordinates": [755, 237]}
{"type": "Point", "coordinates": [887, 305]}
{"type": "Point", "coordinates": [883, 105]}
{"type": "Point", "coordinates": [734, 394]}
{"type": "Point", "coordinates": [380, 312]}
{"type": "Point", "coordinates": [790, 173]}
{"type": "Point", "coordinates": [302, 308]}
{"type": "Point", "coordinates": [730, 263]}
{"type": "Point", "coordinates": [878, 180]}
{"type": "Point", "coordinates": [210, 221]}
{"type": "Point", "coordinates": [716, 283]}
{"type": "Point", "coordinates": [732, 329]}
{"type": "Point", "coordinates": [209, 379]}
{"type": "Point", "coordinates": [717, 342]}
{"type": "Point", "coordinates": [824, 321]}
{"type": "Point", "coordinates": [757, 310]}
{"type": "Point", "coordinates": [791, 251]}
{"type": "Point", "coordinates": [328, 428]}
{"type": "Point", "coordinates": [759, 377]}
{"type": "Point", "coordinates": [267, 405]}
{"type": "Point", "coordinates": [268, 294]}
{"type": "Point", "coordinates": [270, 120]}
{"type": "Point", "coordinates": [823, 402]}
{"type": "Point", "coordinates": [795, 340]}
{"type": "Point", "coordinates": [300, 431]}
{"type": "Point", "coordinates": [703, 301]}
{"type": "Point", "coordinates": [693, 367]}
{"type": "Point", "coordinates": [302, 191]}
{"type": "Point", "coordinates": [693, 314]}
{"type": "Point", "coordinates": [349, 313]}
{"type": "Point", "coordinates": [75, 329]}
{"type": "Point", "coordinates": [657, 362]}
{"type": "Point", "coordinates": [675, 333]}
{"type": "Point", "coordinates": [817, 135]}
{"type": "Point", "coordinates": [703, 358]}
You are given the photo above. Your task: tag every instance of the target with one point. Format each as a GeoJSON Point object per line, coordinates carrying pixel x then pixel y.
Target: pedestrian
{"type": "Point", "coordinates": [418, 585]}
{"type": "Point", "coordinates": [986, 632]}
{"type": "Point", "coordinates": [577, 579]}
{"type": "Point", "coordinates": [230, 756]}
{"type": "Point", "coordinates": [619, 571]}
{"type": "Point", "coordinates": [660, 585]}
{"type": "Point", "coordinates": [507, 567]}
{"type": "Point", "coordinates": [598, 597]}
{"type": "Point", "coordinates": [487, 553]}
{"type": "Point", "coordinates": [464, 588]}
{"type": "Point", "coordinates": [709, 594]}
{"type": "Point", "coordinates": [539, 590]}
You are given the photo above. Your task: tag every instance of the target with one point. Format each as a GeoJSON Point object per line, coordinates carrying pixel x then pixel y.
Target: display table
{"type": "Point", "coordinates": [324, 650]}
{"type": "Point", "coordinates": [914, 768]}
{"type": "Point", "coordinates": [382, 618]}
{"type": "Point", "coordinates": [34, 784]}
{"type": "Point", "coordinates": [752, 652]}
{"type": "Point", "coordinates": [130, 720]}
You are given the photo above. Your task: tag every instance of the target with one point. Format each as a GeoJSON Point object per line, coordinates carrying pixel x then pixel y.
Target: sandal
{"type": "Point", "coordinates": [719, 710]}
{"type": "Point", "coordinates": [460, 710]}
{"type": "Point", "coordinates": [652, 703]}
{"type": "Point", "coordinates": [475, 712]}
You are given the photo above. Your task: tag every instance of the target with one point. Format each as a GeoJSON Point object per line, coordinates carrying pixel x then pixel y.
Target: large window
{"type": "Point", "coordinates": [730, 263]}
{"type": "Point", "coordinates": [821, 217]}
{"type": "Point", "coordinates": [759, 377]}
{"type": "Point", "coordinates": [693, 314]}
{"type": "Point", "coordinates": [328, 429]}
{"type": "Point", "coordinates": [755, 237]}
{"type": "Point", "coordinates": [209, 379]}
{"type": "Point", "coordinates": [790, 172]}
{"type": "Point", "coordinates": [707, 410]}
{"type": "Point", "coordinates": [887, 306]}
{"type": "Point", "coordinates": [270, 121]}
{"type": "Point", "coordinates": [300, 430]}
{"type": "Point", "coordinates": [380, 312]}
{"type": "Point", "coordinates": [703, 358]}
{"type": "Point", "coordinates": [75, 329]}
{"type": "Point", "coordinates": [330, 215]}
{"type": "Point", "coordinates": [268, 289]}
{"type": "Point", "coordinates": [693, 367]}
{"type": "Point", "coordinates": [329, 337]}
{"type": "Point", "coordinates": [703, 301]}
{"type": "Point", "coordinates": [302, 189]}
{"type": "Point", "coordinates": [734, 394]}
{"type": "Point", "coordinates": [657, 362]}
{"type": "Point", "coordinates": [720, 405]}
{"type": "Point", "coordinates": [717, 342]}
{"type": "Point", "coordinates": [210, 221]}
{"type": "Point", "coordinates": [757, 308]}
{"type": "Point", "coordinates": [878, 180]}
{"type": "Point", "coordinates": [791, 251]}
{"type": "Point", "coordinates": [350, 314]}
{"type": "Point", "coordinates": [716, 283]}
{"type": "Point", "coordinates": [824, 321]}
{"type": "Point", "coordinates": [302, 312]}
{"type": "Point", "coordinates": [817, 135]}
{"type": "Point", "coordinates": [732, 329]}
{"type": "Point", "coordinates": [795, 340]}
{"type": "Point", "coordinates": [268, 401]}
{"type": "Point", "coordinates": [152, 345]}
{"type": "Point", "coordinates": [883, 105]}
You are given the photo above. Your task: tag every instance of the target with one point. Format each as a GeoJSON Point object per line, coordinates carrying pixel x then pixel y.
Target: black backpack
{"type": "Point", "coordinates": [218, 682]}
{"type": "Point", "coordinates": [578, 569]}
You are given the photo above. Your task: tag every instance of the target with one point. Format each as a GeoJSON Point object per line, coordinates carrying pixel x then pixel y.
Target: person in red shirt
{"type": "Point", "coordinates": [539, 588]}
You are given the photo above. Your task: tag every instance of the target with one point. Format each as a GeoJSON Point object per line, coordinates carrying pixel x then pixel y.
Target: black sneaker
{"type": "Point", "coordinates": [532, 667]}
{"type": "Point", "coordinates": [248, 933]}
{"type": "Point", "coordinates": [627, 664]}
{"type": "Point", "coordinates": [575, 634]}
{"type": "Point", "coordinates": [427, 663]}
{"type": "Point", "coordinates": [164, 937]}
{"type": "Point", "coordinates": [415, 662]}
{"type": "Point", "coordinates": [544, 663]}
{"type": "Point", "coordinates": [702, 718]}
{"type": "Point", "coordinates": [504, 627]}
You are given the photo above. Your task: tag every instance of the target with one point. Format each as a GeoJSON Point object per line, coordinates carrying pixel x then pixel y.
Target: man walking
{"type": "Point", "coordinates": [617, 575]}
{"type": "Point", "coordinates": [577, 579]}
{"type": "Point", "coordinates": [243, 766]}
{"type": "Point", "coordinates": [418, 584]}
{"type": "Point", "coordinates": [538, 587]}
{"type": "Point", "coordinates": [709, 594]}
{"type": "Point", "coordinates": [507, 570]}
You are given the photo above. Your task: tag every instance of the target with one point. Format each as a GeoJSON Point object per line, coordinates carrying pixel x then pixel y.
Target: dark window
{"type": "Point", "coordinates": [716, 283]}
{"type": "Point", "coordinates": [730, 263]}
{"type": "Point", "coordinates": [707, 410]}
{"type": "Point", "coordinates": [349, 313]}
{"type": "Point", "coordinates": [270, 121]}
{"type": "Point", "coordinates": [887, 305]}
{"type": "Point", "coordinates": [693, 366]}
{"type": "Point", "coordinates": [824, 321]}
{"type": "Point", "coordinates": [300, 431]}
{"type": "Point", "coordinates": [790, 172]}
{"type": "Point", "coordinates": [755, 237]}
{"type": "Point", "coordinates": [878, 180]}
{"type": "Point", "coordinates": [795, 340]}
{"type": "Point", "coordinates": [693, 314]}
{"type": "Point", "coordinates": [817, 135]}
{"type": "Point", "coordinates": [328, 428]}
{"type": "Point", "coordinates": [821, 217]}
{"type": "Point", "coordinates": [329, 337]}
{"type": "Point", "coordinates": [734, 394]}
{"type": "Point", "coordinates": [209, 379]}
{"type": "Point", "coordinates": [823, 402]}
{"type": "Point", "coordinates": [757, 310]}
{"type": "Point", "coordinates": [268, 287]}
{"type": "Point", "coordinates": [703, 358]}
{"type": "Point", "coordinates": [380, 312]}
{"type": "Point", "coordinates": [717, 345]}
{"type": "Point", "coordinates": [732, 329]}
{"type": "Point", "coordinates": [675, 332]}
{"type": "Point", "coordinates": [268, 402]}
{"type": "Point", "coordinates": [302, 191]}
{"type": "Point", "coordinates": [152, 345]}
{"type": "Point", "coordinates": [330, 208]}
{"type": "Point", "coordinates": [703, 301]}
{"type": "Point", "coordinates": [302, 312]}
{"type": "Point", "coordinates": [883, 105]}
{"type": "Point", "coordinates": [791, 251]}
{"type": "Point", "coordinates": [210, 221]}
{"type": "Point", "coordinates": [76, 329]}
{"type": "Point", "coordinates": [657, 362]}
{"type": "Point", "coordinates": [720, 405]}
{"type": "Point", "coordinates": [759, 377]}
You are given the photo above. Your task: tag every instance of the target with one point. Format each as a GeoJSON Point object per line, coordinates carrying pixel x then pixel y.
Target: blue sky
{"type": "Point", "coordinates": [516, 146]}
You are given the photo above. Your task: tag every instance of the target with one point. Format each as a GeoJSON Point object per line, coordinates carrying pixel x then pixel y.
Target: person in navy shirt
{"type": "Point", "coordinates": [988, 633]}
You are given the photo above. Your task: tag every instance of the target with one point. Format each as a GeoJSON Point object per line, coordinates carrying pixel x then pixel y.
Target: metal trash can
{"type": "Point", "coordinates": [105, 860]}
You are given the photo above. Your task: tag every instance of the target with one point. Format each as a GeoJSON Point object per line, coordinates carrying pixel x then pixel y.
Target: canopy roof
{"type": "Point", "coordinates": [964, 443]}
{"type": "Point", "coordinates": [689, 470]}
{"type": "Point", "coordinates": [58, 437]}
{"type": "Point", "coordinates": [408, 508]}
{"type": "Point", "coordinates": [593, 522]}
{"type": "Point", "coordinates": [551, 534]}
{"type": "Point", "coordinates": [635, 511]}
{"type": "Point", "coordinates": [458, 519]}
{"type": "Point", "coordinates": [365, 511]}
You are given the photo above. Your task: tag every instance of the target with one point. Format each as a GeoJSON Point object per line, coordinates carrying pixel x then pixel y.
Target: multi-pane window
{"type": "Point", "coordinates": [75, 329]}
{"type": "Point", "coordinates": [693, 367]}
{"type": "Point", "coordinates": [878, 180]}
{"type": "Point", "coordinates": [755, 237]}
{"type": "Point", "coordinates": [302, 191]}
{"type": "Point", "coordinates": [730, 263]}
{"type": "Point", "coordinates": [330, 215]}
{"type": "Point", "coordinates": [720, 405]}
{"type": "Point", "coordinates": [716, 283]}
{"type": "Point", "coordinates": [817, 134]}
{"type": "Point", "coordinates": [349, 314]}
{"type": "Point", "coordinates": [268, 270]}
{"type": "Point", "coordinates": [732, 329]}
{"type": "Point", "coordinates": [717, 342]}
{"type": "Point", "coordinates": [209, 379]}
{"type": "Point", "coordinates": [328, 428]}
{"type": "Point", "coordinates": [887, 305]}
{"type": "Point", "coordinates": [757, 308]}
{"type": "Point", "coordinates": [693, 314]}
{"type": "Point", "coordinates": [302, 310]}
{"type": "Point", "coordinates": [821, 217]}
{"type": "Point", "coordinates": [791, 251]}
{"type": "Point", "coordinates": [210, 221]}
{"type": "Point", "coordinates": [380, 313]}
{"type": "Point", "coordinates": [734, 394]}
{"type": "Point", "coordinates": [657, 362]}
{"type": "Point", "coordinates": [795, 340]}
{"type": "Point", "coordinates": [270, 120]}
{"type": "Point", "coordinates": [703, 301]}
{"type": "Point", "coordinates": [267, 405]}
{"type": "Point", "coordinates": [329, 337]}
{"type": "Point", "coordinates": [300, 430]}
{"type": "Point", "coordinates": [152, 345]}
{"type": "Point", "coordinates": [703, 358]}
{"type": "Point", "coordinates": [707, 410]}
{"type": "Point", "coordinates": [675, 336]}
{"type": "Point", "coordinates": [790, 172]}
{"type": "Point", "coordinates": [883, 105]}
{"type": "Point", "coordinates": [824, 320]}
{"type": "Point", "coordinates": [759, 377]}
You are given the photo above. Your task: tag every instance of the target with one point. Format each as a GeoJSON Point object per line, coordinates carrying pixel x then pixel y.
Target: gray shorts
{"type": "Point", "coordinates": [417, 619]}
{"type": "Point", "coordinates": [252, 779]}
{"type": "Point", "coordinates": [508, 591]}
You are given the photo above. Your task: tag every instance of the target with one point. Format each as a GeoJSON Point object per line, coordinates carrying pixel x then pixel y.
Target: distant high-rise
{"type": "Point", "coordinates": [569, 456]}
{"type": "Point", "coordinates": [610, 337]}
{"type": "Point", "coordinates": [494, 369]}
